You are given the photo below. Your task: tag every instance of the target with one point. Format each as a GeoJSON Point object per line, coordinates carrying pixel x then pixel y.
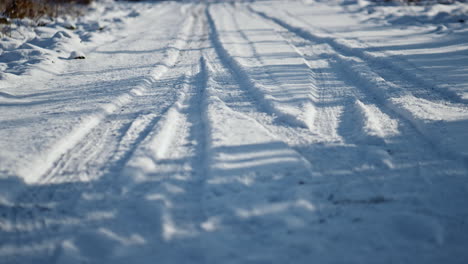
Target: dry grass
{"type": "Point", "coordinates": [35, 9]}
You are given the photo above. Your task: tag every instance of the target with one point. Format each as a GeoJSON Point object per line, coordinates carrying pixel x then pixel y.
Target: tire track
{"type": "Point", "coordinates": [432, 177]}
{"type": "Point", "coordinates": [389, 149]}
{"type": "Point", "coordinates": [240, 101]}
{"type": "Point", "coordinates": [421, 83]}
{"type": "Point", "coordinates": [357, 106]}
{"type": "Point", "coordinates": [97, 139]}
{"type": "Point", "coordinates": [323, 53]}
{"type": "Point", "coordinates": [385, 155]}
{"type": "Point", "coordinates": [173, 160]}
{"type": "Point", "coordinates": [394, 72]}
{"type": "Point", "coordinates": [246, 95]}
{"type": "Point", "coordinates": [227, 183]}
{"type": "Point", "coordinates": [163, 179]}
{"type": "Point", "coordinates": [308, 111]}
{"type": "Point", "coordinates": [284, 134]}
{"type": "Point", "coordinates": [46, 163]}
{"type": "Point", "coordinates": [121, 128]}
{"type": "Point", "coordinates": [370, 83]}
{"type": "Point", "coordinates": [248, 83]}
{"type": "Point", "coordinates": [295, 137]}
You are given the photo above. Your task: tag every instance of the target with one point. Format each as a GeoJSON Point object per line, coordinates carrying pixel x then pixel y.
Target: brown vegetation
{"type": "Point", "coordinates": [36, 9]}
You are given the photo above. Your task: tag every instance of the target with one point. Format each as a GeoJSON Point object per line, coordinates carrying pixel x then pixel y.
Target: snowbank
{"type": "Point", "coordinates": [40, 47]}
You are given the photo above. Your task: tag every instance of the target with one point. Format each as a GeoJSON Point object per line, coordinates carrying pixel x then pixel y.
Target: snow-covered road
{"type": "Point", "coordinates": [256, 132]}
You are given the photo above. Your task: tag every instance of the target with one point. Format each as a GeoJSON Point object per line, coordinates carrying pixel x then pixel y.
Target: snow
{"type": "Point", "coordinates": [236, 132]}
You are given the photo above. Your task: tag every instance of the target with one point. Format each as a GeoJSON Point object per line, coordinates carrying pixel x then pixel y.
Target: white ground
{"type": "Point", "coordinates": [256, 132]}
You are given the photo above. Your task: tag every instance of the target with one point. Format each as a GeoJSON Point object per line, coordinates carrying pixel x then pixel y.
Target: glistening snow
{"type": "Point", "coordinates": [236, 132]}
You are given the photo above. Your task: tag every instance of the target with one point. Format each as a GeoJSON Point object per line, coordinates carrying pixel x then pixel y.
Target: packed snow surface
{"type": "Point", "coordinates": [236, 132]}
